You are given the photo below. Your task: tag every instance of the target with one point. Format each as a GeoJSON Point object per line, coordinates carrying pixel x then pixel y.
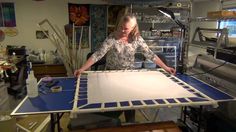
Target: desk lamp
{"type": "Point", "coordinates": [171, 15]}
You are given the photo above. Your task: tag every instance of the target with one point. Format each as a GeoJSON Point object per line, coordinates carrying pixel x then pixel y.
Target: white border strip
{"type": "Point", "coordinates": [75, 108]}
{"type": "Point", "coordinates": [19, 105]}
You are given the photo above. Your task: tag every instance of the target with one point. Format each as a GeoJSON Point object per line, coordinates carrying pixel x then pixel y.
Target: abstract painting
{"type": "Point", "coordinates": [78, 14]}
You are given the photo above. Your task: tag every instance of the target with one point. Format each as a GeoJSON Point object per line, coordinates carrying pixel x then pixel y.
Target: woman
{"type": "Point", "coordinates": [120, 47]}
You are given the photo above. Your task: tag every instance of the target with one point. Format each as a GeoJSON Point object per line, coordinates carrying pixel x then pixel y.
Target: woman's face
{"type": "Point", "coordinates": [128, 26]}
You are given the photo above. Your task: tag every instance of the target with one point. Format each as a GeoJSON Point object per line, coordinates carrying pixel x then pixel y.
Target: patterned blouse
{"type": "Point", "coordinates": [121, 56]}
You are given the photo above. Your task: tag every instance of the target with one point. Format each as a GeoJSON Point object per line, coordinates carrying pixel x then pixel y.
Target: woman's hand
{"type": "Point", "coordinates": [78, 72]}
{"type": "Point", "coordinates": [170, 70]}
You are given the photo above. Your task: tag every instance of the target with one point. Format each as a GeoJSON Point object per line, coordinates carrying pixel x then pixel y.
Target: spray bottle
{"type": "Point", "coordinates": [32, 86]}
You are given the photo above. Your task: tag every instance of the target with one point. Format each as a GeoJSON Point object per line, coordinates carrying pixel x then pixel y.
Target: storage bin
{"type": "Point", "coordinates": [149, 65]}
{"type": "Point", "coordinates": [138, 64]}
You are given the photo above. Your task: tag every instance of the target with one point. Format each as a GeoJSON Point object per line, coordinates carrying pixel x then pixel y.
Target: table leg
{"type": "Point", "coordinates": [52, 122]}
{"type": "Point", "coordinates": [185, 112]}
{"type": "Point", "coordinates": [58, 122]}
{"type": "Point", "coordinates": [199, 119]}
{"type": "Point", "coordinates": [55, 120]}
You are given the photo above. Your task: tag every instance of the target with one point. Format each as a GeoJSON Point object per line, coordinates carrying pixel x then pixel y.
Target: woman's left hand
{"type": "Point", "coordinates": [170, 70]}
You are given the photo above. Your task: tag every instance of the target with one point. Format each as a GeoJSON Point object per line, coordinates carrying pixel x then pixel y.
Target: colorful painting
{"type": "Point", "coordinates": [7, 15]}
{"type": "Point", "coordinates": [78, 14]}
{"type": "Point", "coordinates": [98, 25]}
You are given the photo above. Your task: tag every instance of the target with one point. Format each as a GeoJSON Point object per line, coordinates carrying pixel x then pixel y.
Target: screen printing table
{"type": "Point", "coordinates": [100, 91]}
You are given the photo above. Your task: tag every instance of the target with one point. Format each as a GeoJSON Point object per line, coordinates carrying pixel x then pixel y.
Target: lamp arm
{"type": "Point", "coordinates": [180, 24]}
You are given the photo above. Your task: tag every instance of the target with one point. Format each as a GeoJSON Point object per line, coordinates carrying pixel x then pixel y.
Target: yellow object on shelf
{"type": "Point", "coordinates": [221, 14]}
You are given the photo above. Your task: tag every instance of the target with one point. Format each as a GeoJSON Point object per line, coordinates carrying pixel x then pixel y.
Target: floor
{"type": "Point", "coordinates": [163, 114]}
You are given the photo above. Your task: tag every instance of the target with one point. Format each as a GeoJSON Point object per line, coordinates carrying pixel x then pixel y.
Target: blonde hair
{"type": "Point", "coordinates": [134, 34]}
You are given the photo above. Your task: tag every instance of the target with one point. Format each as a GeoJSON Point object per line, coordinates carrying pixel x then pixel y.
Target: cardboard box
{"type": "Point", "coordinates": [34, 123]}
{"type": "Point", "coordinates": [7, 123]}
{"type": "Point", "coordinates": [221, 14]}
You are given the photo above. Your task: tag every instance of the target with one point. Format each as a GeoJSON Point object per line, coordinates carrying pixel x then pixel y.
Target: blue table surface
{"type": "Point", "coordinates": [59, 102]}
{"type": "Point", "coordinates": [51, 101]}
{"type": "Point", "coordinates": [204, 88]}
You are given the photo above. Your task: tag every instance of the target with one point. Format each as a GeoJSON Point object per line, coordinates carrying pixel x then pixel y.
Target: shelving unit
{"type": "Point", "coordinates": [205, 19]}
{"type": "Point", "coordinates": [159, 30]}
{"type": "Point", "coordinates": [54, 70]}
{"type": "Point", "coordinates": [167, 53]}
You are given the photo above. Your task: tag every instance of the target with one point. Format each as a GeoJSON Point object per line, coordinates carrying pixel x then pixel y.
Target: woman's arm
{"type": "Point", "coordinates": [151, 56]}
{"type": "Point", "coordinates": [86, 66]}
{"type": "Point", "coordinates": [105, 47]}
{"type": "Point", "coordinates": [160, 63]}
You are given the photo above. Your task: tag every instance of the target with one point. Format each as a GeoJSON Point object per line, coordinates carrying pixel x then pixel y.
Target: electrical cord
{"type": "Point", "coordinates": [212, 69]}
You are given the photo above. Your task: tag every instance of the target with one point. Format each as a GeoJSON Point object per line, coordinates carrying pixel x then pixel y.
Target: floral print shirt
{"type": "Point", "coordinates": [121, 56]}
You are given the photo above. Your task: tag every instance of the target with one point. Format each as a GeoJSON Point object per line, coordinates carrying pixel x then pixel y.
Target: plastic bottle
{"type": "Point", "coordinates": [32, 86]}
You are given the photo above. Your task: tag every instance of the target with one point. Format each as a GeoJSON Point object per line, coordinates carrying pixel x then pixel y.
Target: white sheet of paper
{"type": "Point", "coordinates": [127, 86]}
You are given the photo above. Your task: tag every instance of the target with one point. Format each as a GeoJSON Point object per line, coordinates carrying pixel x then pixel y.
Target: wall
{"type": "Point", "coordinates": [29, 13]}
{"type": "Point", "coordinates": [229, 4]}
{"type": "Point", "coordinates": [200, 9]}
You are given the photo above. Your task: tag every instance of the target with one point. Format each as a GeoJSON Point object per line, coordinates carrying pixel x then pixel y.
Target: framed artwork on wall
{"type": "Point", "coordinates": [7, 15]}
{"type": "Point", "coordinates": [79, 14]}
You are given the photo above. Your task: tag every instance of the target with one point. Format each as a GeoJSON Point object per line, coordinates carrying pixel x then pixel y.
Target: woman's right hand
{"type": "Point", "coordinates": [78, 72]}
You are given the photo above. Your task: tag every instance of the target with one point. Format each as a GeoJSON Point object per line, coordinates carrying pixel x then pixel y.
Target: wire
{"type": "Point", "coordinates": [210, 70]}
